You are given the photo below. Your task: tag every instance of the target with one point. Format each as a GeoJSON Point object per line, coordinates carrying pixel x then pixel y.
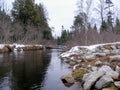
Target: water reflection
{"type": "Point", "coordinates": [23, 71]}
{"type": "Point", "coordinates": [33, 70]}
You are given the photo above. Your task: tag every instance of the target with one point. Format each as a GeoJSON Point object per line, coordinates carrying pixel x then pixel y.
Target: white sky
{"type": "Point", "coordinates": [62, 12]}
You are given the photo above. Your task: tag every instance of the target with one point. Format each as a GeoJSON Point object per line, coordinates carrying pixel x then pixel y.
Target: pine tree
{"type": "Point", "coordinates": [103, 26]}
{"type": "Point", "coordinates": [27, 12]}
{"type": "Point", "coordinates": [109, 13]}
{"type": "Point", "coordinates": [23, 10]}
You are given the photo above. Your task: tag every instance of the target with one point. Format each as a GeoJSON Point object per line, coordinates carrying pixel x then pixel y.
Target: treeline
{"type": "Point", "coordinates": [28, 23]}
{"type": "Point", "coordinates": [84, 32]}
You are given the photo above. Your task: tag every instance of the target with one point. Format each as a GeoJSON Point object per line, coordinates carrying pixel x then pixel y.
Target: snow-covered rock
{"type": "Point", "coordinates": [101, 60]}
{"type": "Point", "coordinates": [89, 51]}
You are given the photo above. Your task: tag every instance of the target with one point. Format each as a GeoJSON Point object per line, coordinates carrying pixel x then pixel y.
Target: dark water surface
{"type": "Point", "coordinates": [33, 70]}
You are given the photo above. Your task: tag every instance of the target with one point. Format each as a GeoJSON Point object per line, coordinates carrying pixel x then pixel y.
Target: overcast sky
{"type": "Point", "coordinates": [62, 12]}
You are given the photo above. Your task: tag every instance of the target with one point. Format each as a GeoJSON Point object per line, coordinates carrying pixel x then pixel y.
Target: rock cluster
{"type": "Point", "coordinates": [102, 63]}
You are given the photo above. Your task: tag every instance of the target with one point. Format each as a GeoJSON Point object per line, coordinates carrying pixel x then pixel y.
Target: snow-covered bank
{"type": "Point", "coordinates": [102, 61]}
{"type": "Point", "coordinates": [19, 47]}
{"type": "Point", "coordinates": [79, 50]}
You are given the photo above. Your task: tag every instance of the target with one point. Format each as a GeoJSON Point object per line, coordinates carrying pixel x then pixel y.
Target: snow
{"type": "Point", "coordinates": [81, 49]}
{"type": "Point", "coordinates": [1, 46]}
{"type": "Point", "coordinates": [18, 45]}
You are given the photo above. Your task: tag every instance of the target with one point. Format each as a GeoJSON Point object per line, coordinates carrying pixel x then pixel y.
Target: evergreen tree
{"type": "Point", "coordinates": [80, 20]}
{"type": "Point", "coordinates": [95, 27]}
{"type": "Point", "coordinates": [23, 10]}
{"type": "Point", "coordinates": [109, 13]}
{"type": "Point", "coordinates": [40, 16]}
{"type": "Point", "coordinates": [27, 12]}
{"type": "Point", "coordinates": [65, 36]}
{"type": "Point", "coordinates": [103, 26]}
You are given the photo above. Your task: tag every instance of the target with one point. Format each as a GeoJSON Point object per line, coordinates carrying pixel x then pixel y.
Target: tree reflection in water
{"type": "Point", "coordinates": [23, 71]}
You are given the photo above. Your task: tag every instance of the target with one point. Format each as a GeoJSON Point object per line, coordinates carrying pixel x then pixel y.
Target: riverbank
{"type": "Point", "coordinates": [20, 47]}
{"type": "Point", "coordinates": [96, 66]}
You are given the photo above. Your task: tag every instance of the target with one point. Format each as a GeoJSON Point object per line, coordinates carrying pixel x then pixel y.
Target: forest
{"type": "Point", "coordinates": [85, 31]}
{"type": "Point", "coordinates": [28, 24]}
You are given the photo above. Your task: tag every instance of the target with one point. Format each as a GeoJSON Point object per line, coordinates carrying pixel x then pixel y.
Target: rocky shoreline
{"type": "Point", "coordinates": [96, 67]}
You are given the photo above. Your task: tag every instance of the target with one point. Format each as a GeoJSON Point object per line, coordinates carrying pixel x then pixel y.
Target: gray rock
{"type": "Point", "coordinates": [100, 54]}
{"type": "Point", "coordinates": [79, 61]}
{"type": "Point", "coordinates": [106, 51]}
{"type": "Point", "coordinates": [117, 84]}
{"type": "Point", "coordinates": [117, 51]}
{"type": "Point", "coordinates": [119, 64]}
{"type": "Point", "coordinates": [115, 58]}
{"type": "Point", "coordinates": [113, 47]}
{"type": "Point", "coordinates": [118, 46]}
{"type": "Point", "coordinates": [98, 63]}
{"type": "Point", "coordinates": [67, 61]}
{"type": "Point", "coordinates": [94, 68]}
{"type": "Point", "coordinates": [89, 57]}
{"type": "Point", "coordinates": [67, 79]}
{"type": "Point", "coordinates": [91, 78]}
{"type": "Point", "coordinates": [86, 76]}
{"type": "Point", "coordinates": [117, 69]}
{"type": "Point", "coordinates": [103, 82]}
{"type": "Point", "coordinates": [75, 66]}
{"type": "Point", "coordinates": [109, 72]}
{"type": "Point", "coordinates": [72, 63]}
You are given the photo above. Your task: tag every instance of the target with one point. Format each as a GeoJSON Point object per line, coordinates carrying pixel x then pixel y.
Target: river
{"type": "Point", "coordinates": [33, 70]}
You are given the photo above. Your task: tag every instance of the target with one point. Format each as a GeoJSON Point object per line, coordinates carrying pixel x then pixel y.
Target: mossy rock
{"type": "Point", "coordinates": [78, 74]}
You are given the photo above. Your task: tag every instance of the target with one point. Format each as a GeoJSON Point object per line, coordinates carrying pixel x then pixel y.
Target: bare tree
{"type": "Point", "coordinates": [101, 9]}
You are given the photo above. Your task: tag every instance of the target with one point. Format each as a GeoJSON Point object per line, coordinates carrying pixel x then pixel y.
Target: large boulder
{"type": "Point", "coordinates": [109, 72]}
{"type": "Point", "coordinates": [90, 79]}
{"type": "Point", "coordinates": [67, 80]}
{"type": "Point", "coordinates": [103, 82]}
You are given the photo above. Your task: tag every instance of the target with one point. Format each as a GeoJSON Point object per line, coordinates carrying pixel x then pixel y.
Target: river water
{"type": "Point", "coordinates": [33, 70]}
